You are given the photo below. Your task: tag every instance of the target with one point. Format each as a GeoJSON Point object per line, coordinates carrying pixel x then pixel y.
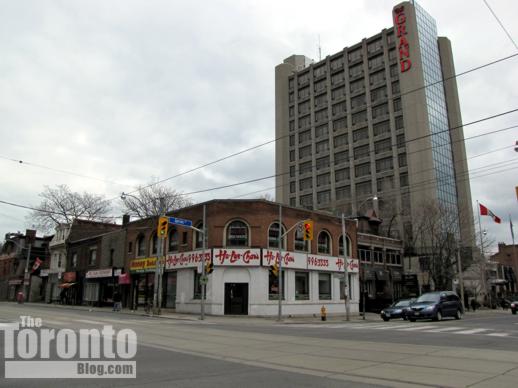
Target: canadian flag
{"type": "Point", "coordinates": [484, 211]}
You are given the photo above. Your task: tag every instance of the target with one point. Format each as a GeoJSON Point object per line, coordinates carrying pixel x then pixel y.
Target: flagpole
{"type": "Point", "coordinates": [515, 261]}
{"type": "Point", "coordinates": [482, 252]}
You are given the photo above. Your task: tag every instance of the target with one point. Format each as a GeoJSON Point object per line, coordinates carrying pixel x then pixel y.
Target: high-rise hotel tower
{"type": "Point", "coordinates": [381, 118]}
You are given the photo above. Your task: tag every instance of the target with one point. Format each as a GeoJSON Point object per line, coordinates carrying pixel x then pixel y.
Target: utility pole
{"type": "Point", "coordinates": [346, 274]}
{"type": "Point", "coordinates": [203, 286]}
{"type": "Point", "coordinates": [461, 279]}
{"type": "Point", "coordinates": [281, 285]}
{"type": "Point", "coordinates": [158, 267]}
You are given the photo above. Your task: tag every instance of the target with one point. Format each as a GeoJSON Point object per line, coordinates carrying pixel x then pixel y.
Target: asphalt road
{"type": "Point", "coordinates": [479, 350]}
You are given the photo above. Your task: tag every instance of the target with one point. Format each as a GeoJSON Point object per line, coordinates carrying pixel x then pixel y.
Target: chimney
{"type": "Point", "coordinates": [125, 219]}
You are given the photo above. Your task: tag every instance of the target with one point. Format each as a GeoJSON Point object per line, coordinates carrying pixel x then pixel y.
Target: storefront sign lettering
{"type": "Point", "coordinates": [353, 265]}
{"type": "Point", "coordinates": [143, 265]}
{"type": "Point", "coordinates": [237, 257]}
{"type": "Point", "coordinates": [403, 46]}
{"type": "Point", "coordinates": [271, 257]}
{"type": "Point", "coordinates": [186, 259]}
{"type": "Point", "coordinates": [99, 273]}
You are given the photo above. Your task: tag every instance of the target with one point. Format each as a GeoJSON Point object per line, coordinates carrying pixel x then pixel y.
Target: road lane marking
{"type": "Point", "coordinates": [472, 331]}
{"type": "Point", "coordinates": [443, 329]}
{"type": "Point", "coordinates": [498, 334]}
{"type": "Point", "coordinates": [88, 321]}
{"type": "Point", "coordinates": [390, 327]}
{"type": "Point", "coordinates": [52, 322]}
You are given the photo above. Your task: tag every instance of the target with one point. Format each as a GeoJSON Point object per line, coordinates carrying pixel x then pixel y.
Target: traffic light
{"type": "Point", "coordinates": [163, 222]}
{"type": "Point", "coordinates": [308, 230]}
{"type": "Point", "coordinates": [274, 269]}
{"type": "Point", "coordinates": [209, 268]}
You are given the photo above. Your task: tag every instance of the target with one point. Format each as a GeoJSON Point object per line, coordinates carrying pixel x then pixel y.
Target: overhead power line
{"type": "Point", "coordinates": [501, 25]}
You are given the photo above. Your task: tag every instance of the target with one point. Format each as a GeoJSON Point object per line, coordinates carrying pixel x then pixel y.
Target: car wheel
{"type": "Point", "coordinates": [386, 319]}
{"type": "Point", "coordinates": [438, 316]}
{"type": "Point", "coordinates": [405, 318]}
{"type": "Point", "coordinates": [411, 319]}
{"type": "Point", "coordinates": [458, 315]}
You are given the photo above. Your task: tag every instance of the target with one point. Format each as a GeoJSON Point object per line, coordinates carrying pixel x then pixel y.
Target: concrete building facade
{"type": "Point", "coordinates": [380, 118]}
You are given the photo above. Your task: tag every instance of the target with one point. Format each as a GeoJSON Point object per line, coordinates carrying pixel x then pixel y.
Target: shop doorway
{"type": "Point", "coordinates": [236, 298]}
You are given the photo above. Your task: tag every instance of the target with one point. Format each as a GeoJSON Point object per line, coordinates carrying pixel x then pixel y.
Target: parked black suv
{"type": "Point", "coordinates": [436, 306]}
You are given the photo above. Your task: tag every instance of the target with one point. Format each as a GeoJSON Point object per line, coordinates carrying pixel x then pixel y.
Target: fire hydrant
{"type": "Point", "coordinates": [323, 313]}
{"type": "Point", "coordinates": [20, 297]}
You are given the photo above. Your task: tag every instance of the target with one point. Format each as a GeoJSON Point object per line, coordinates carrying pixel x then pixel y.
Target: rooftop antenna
{"type": "Point", "coordinates": [319, 49]}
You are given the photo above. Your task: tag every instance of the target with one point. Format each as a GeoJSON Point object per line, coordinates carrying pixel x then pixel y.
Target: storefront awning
{"type": "Point", "coordinates": [381, 274]}
{"type": "Point", "coordinates": [369, 275]}
{"type": "Point", "coordinates": [66, 285]}
{"type": "Point", "coordinates": [396, 276]}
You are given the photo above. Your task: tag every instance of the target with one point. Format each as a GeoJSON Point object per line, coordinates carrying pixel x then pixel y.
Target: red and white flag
{"type": "Point", "coordinates": [37, 264]}
{"type": "Point", "coordinates": [484, 211]}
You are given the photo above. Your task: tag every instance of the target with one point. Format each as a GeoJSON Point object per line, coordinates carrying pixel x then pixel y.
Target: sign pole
{"type": "Point", "coordinates": [203, 286]}
{"type": "Point", "coordinates": [346, 274]}
{"type": "Point", "coordinates": [281, 285]}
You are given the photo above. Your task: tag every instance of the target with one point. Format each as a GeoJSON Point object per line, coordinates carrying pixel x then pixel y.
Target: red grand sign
{"type": "Point", "coordinates": [403, 47]}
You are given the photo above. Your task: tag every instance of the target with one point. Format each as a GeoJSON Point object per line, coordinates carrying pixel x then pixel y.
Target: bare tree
{"type": "Point", "coordinates": [267, 197]}
{"type": "Point", "coordinates": [60, 205]}
{"type": "Point", "coordinates": [146, 201]}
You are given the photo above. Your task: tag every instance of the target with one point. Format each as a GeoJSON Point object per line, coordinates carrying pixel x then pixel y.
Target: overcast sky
{"type": "Point", "coordinates": [128, 92]}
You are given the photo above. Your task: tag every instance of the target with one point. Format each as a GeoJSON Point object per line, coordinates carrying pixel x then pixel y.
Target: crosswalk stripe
{"type": "Point", "coordinates": [443, 329]}
{"type": "Point", "coordinates": [390, 327]}
{"type": "Point", "coordinates": [52, 322]}
{"type": "Point", "coordinates": [498, 334]}
{"type": "Point", "coordinates": [415, 328]}
{"type": "Point", "coordinates": [472, 331]}
{"type": "Point", "coordinates": [90, 322]}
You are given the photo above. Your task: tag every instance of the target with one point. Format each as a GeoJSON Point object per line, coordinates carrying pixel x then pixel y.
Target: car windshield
{"type": "Point", "coordinates": [402, 303]}
{"type": "Point", "coordinates": [428, 298]}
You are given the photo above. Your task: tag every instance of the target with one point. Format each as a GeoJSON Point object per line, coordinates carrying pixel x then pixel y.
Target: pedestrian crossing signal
{"type": "Point", "coordinates": [163, 223]}
{"type": "Point", "coordinates": [209, 268]}
{"type": "Point", "coordinates": [274, 270]}
{"type": "Point", "coordinates": [308, 230]}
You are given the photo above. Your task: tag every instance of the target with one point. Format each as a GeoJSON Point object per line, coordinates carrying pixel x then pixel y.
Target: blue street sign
{"type": "Point", "coordinates": [180, 221]}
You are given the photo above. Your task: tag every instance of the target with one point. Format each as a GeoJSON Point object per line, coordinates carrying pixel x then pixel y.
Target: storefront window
{"type": "Point", "coordinates": [273, 236]}
{"type": "Point", "coordinates": [237, 234]}
{"type": "Point", "coordinates": [324, 286]}
{"type": "Point", "coordinates": [273, 286]}
{"type": "Point", "coordinates": [302, 285]}
{"type": "Point", "coordinates": [197, 285]}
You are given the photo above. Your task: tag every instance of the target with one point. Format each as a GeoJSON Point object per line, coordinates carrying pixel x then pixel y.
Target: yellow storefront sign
{"type": "Point", "coordinates": [143, 265]}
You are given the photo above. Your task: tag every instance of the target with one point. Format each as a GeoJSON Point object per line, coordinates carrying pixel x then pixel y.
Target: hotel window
{"type": "Point", "coordinates": [400, 140]}
{"type": "Point", "coordinates": [397, 105]}
{"type": "Point", "coordinates": [339, 108]}
{"type": "Point", "coordinates": [379, 111]}
{"type": "Point", "coordinates": [374, 46]}
{"type": "Point", "coordinates": [402, 160]}
{"type": "Point", "coordinates": [359, 117]}
{"type": "Point", "coordinates": [198, 237]}
{"type": "Point", "coordinates": [321, 130]}
{"type": "Point", "coordinates": [93, 256]}
{"type": "Point", "coordinates": [340, 140]}
{"type": "Point", "coordinates": [324, 179]}
{"type": "Point", "coordinates": [305, 136]}
{"type": "Point", "coordinates": [362, 170]}
{"type": "Point", "coordinates": [301, 285]}
{"type": "Point", "coordinates": [399, 122]}
{"type": "Point", "coordinates": [357, 85]}
{"type": "Point", "coordinates": [376, 61]}
{"type": "Point", "coordinates": [306, 200]}
{"type": "Point", "coordinates": [337, 63]}
{"type": "Point", "coordinates": [343, 192]}
{"type": "Point", "coordinates": [321, 100]}
{"type": "Point", "coordinates": [299, 244]}
{"type": "Point", "coordinates": [305, 151]}
{"type": "Point", "coordinates": [237, 234]}
{"type": "Point", "coordinates": [363, 188]}
{"type": "Point", "coordinates": [342, 175]}
{"type": "Point", "coordinates": [304, 92]}
{"type": "Point", "coordinates": [403, 179]}
{"type": "Point", "coordinates": [355, 71]}
{"type": "Point", "coordinates": [141, 246]}
{"type": "Point", "coordinates": [382, 146]}
{"type": "Point", "coordinates": [304, 107]}
{"type": "Point", "coordinates": [319, 71]}
{"type": "Point", "coordinates": [292, 171]}
{"type": "Point", "coordinates": [361, 134]}
{"type": "Point", "coordinates": [273, 236]}
{"type": "Point", "coordinates": [392, 54]}
{"type": "Point", "coordinates": [324, 286]}
{"type": "Point", "coordinates": [290, 83]}
{"type": "Point", "coordinates": [390, 38]}
{"type": "Point", "coordinates": [384, 164]}
{"type": "Point", "coordinates": [381, 128]}
{"type": "Point", "coordinates": [305, 168]}
{"type": "Point", "coordinates": [385, 183]}
{"type": "Point", "coordinates": [339, 124]}
{"type": "Point", "coordinates": [305, 121]}
{"type": "Point", "coordinates": [292, 155]}
{"type": "Point", "coordinates": [292, 187]}
{"type": "Point", "coordinates": [173, 240]}
{"type": "Point", "coordinates": [291, 98]}
{"type": "Point", "coordinates": [377, 77]}
{"type": "Point", "coordinates": [379, 94]}
{"type": "Point", "coordinates": [394, 71]}
{"type": "Point", "coordinates": [320, 86]}
{"type": "Point", "coordinates": [293, 201]}
{"type": "Point", "coordinates": [292, 111]}
{"type": "Point", "coordinates": [322, 146]}
{"type": "Point", "coordinates": [305, 184]}
{"type": "Point", "coordinates": [337, 78]}
{"type": "Point", "coordinates": [292, 125]}
{"type": "Point", "coordinates": [322, 163]}
{"type": "Point", "coordinates": [321, 115]}
{"type": "Point", "coordinates": [395, 87]}
{"type": "Point", "coordinates": [341, 157]}
{"type": "Point", "coordinates": [361, 152]}
{"type": "Point", "coordinates": [324, 243]}
{"type": "Point", "coordinates": [338, 93]}
{"type": "Point", "coordinates": [323, 197]}
{"type": "Point", "coordinates": [303, 78]}
{"type": "Point", "coordinates": [273, 286]}
{"type": "Point", "coordinates": [358, 101]}
{"type": "Point", "coordinates": [355, 55]}
{"type": "Point", "coordinates": [292, 140]}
